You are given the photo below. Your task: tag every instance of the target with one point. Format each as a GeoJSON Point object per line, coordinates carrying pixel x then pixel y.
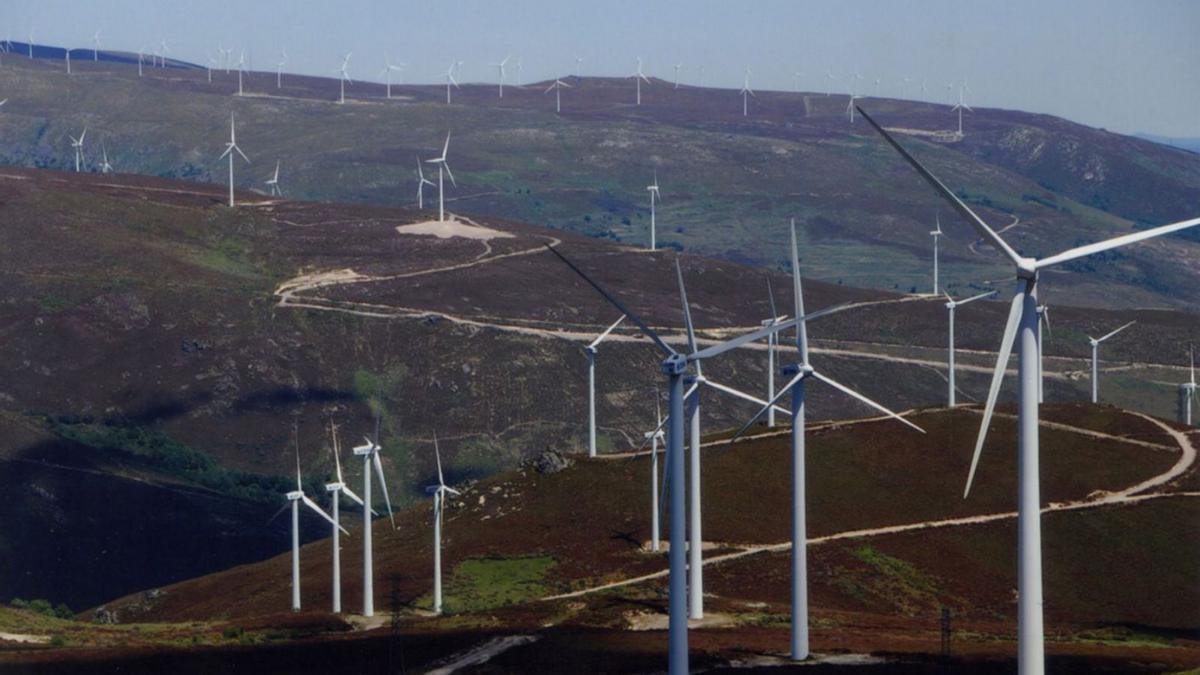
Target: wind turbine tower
{"type": "Point", "coordinates": [655, 196]}
{"type": "Point", "coordinates": [746, 93]}
{"type": "Point", "coordinates": [443, 166]}
{"type": "Point", "coordinates": [230, 148]}
{"type": "Point", "coordinates": [438, 492]}
{"type": "Point", "coordinates": [591, 355]}
{"type": "Point", "coordinates": [1095, 343]}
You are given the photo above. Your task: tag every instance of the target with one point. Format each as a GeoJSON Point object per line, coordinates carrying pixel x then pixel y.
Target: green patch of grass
{"type": "Point", "coordinates": [895, 581]}
{"type": "Point", "coordinates": [1121, 636]}
{"type": "Point", "coordinates": [481, 583]}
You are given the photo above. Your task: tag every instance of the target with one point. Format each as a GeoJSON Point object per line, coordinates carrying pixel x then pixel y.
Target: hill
{"type": "Point", "coordinates": [728, 181]}
{"type": "Point", "coordinates": [149, 326]}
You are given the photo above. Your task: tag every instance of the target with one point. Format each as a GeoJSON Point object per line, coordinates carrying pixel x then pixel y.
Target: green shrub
{"type": "Point", "coordinates": [58, 641]}
{"type": "Point", "coordinates": [63, 612]}
{"type": "Point", "coordinates": [17, 603]}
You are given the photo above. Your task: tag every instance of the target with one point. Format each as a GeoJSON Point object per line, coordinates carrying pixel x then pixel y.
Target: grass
{"type": "Point", "coordinates": [1122, 636]}
{"type": "Point", "coordinates": [483, 583]}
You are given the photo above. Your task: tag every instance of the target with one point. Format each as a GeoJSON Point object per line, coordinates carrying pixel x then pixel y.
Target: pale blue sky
{"type": "Point", "coordinates": [1127, 66]}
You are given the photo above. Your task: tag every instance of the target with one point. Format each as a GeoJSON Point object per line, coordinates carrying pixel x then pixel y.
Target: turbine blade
{"type": "Point", "coordinates": [239, 151]}
{"type": "Point", "coordinates": [687, 312]}
{"type": "Point", "coordinates": [964, 210]}
{"type": "Point", "coordinates": [321, 512]}
{"type": "Point", "coordinates": [976, 297]}
{"type": "Point", "coordinates": [778, 395]}
{"type": "Point", "coordinates": [1115, 242]}
{"type": "Point", "coordinates": [850, 392]}
{"type": "Point", "coordinates": [383, 485]}
{"type": "Point", "coordinates": [761, 333]}
{"type": "Point", "coordinates": [608, 330]}
{"type": "Point", "coordinates": [437, 453]}
{"type": "Point", "coordinates": [637, 320]}
{"type": "Point", "coordinates": [771, 298]}
{"type": "Point", "coordinates": [743, 395]}
{"type": "Point", "coordinates": [1006, 345]}
{"type": "Point", "coordinates": [449, 173]}
{"type": "Point", "coordinates": [351, 495]}
{"type": "Point", "coordinates": [1116, 331]}
{"type": "Point", "coordinates": [798, 299]}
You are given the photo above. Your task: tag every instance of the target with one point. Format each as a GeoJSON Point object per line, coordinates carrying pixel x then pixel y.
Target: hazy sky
{"type": "Point", "coordinates": [1120, 64]}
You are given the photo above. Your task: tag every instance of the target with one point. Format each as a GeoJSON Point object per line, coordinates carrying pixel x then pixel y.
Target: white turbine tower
{"type": "Point", "coordinates": [31, 44]}
{"type": "Point", "coordinates": [951, 305]}
{"type": "Point", "coordinates": [443, 166]}
{"type": "Point", "coordinates": [678, 67]}
{"type": "Point", "coordinates": [1187, 391]}
{"type": "Point", "coordinates": [578, 67]}
{"type": "Point", "coordinates": [639, 77]}
{"type": "Point", "coordinates": [273, 182]}
{"type": "Point", "coordinates": [142, 59]}
{"type": "Point", "coordinates": [105, 167]}
{"type": "Point", "coordinates": [230, 148]}
{"type": "Point", "coordinates": [1095, 343]}
{"type": "Point", "coordinates": [96, 47]}
{"type": "Point", "coordinates": [163, 50]}
{"type": "Point", "coordinates": [961, 106]}
{"type": "Point", "coordinates": [296, 497]}
{"type": "Point", "coordinates": [500, 67]}
{"type": "Point", "coordinates": [557, 87]}
{"type": "Point", "coordinates": [800, 373]}
{"type": "Point", "coordinates": [67, 59]}
{"type": "Point", "coordinates": [77, 143]}
{"type": "Point", "coordinates": [1022, 325]}
{"type": "Point", "coordinates": [746, 93]}
{"type": "Point", "coordinates": [850, 107]}
{"type": "Point", "coordinates": [438, 492]}
{"type": "Point", "coordinates": [449, 75]}
{"type": "Point", "coordinates": [936, 234]}
{"type": "Point", "coordinates": [370, 454]}
{"type": "Point", "coordinates": [655, 196]}
{"type": "Point", "coordinates": [336, 490]}
{"type": "Point", "coordinates": [388, 69]}
{"type": "Point", "coordinates": [278, 69]}
{"type": "Point", "coordinates": [422, 181]}
{"type": "Point", "coordinates": [241, 69]}
{"type": "Point", "coordinates": [591, 355]}
{"type": "Point", "coordinates": [343, 77]}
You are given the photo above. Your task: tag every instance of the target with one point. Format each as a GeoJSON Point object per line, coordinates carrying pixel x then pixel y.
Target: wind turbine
{"type": "Point", "coordinates": [557, 87]}
{"type": "Point", "coordinates": [279, 69]}
{"type": "Point", "coordinates": [655, 196]}
{"type": "Point", "coordinates": [162, 54]}
{"type": "Point", "coordinates": [142, 59]}
{"type": "Point", "coordinates": [500, 67]}
{"type": "Point", "coordinates": [831, 77]}
{"type": "Point", "coordinates": [438, 492]}
{"type": "Point", "coordinates": [1022, 324]}
{"type": "Point", "coordinates": [273, 182]}
{"type": "Point", "coordinates": [67, 58]}
{"type": "Point", "coordinates": [591, 354]}
{"type": "Point", "coordinates": [579, 67]}
{"type": "Point", "coordinates": [296, 497]}
{"type": "Point", "coordinates": [799, 374]}
{"type": "Point", "coordinates": [1095, 343]}
{"type": "Point", "coordinates": [638, 77]}
{"type": "Point", "coordinates": [343, 78]}
{"type": "Point", "coordinates": [674, 367]}
{"type": "Point", "coordinates": [449, 75]}
{"type": "Point", "coordinates": [336, 489]}
{"type": "Point", "coordinates": [370, 454]}
{"type": "Point", "coordinates": [877, 83]}
{"type": "Point", "coordinates": [31, 44]}
{"type": "Point", "coordinates": [442, 165]}
{"type": "Point", "coordinates": [653, 438]}
{"type": "Point", "coordinates": [678, 66]}
{"type": "Point", "coordinates": [105, 167]}
{"type": "Point", "coordinates": [96, 47]}
{"type": "Point", "coordinates": [77, 143]}
{"type": "Point", "coordinates": [520, 69]}
{"type": "Point", "coordinates": [230, 147]}
{"type": "Point", "coordinates": [936, 234]}
{"type": "Point", "coordinates": [746, 92]}
{"type": "Point", "coordinates": [388, 69]}
{"type": "Point", "coordinates": [951, 305]}
{"type": "Point", "coordinates": [422, 181]}
{"type": "Point", "coordinates": [961, 106]}
{"type": "Point", "coordinates": [1187, 391]}
{"type": "Point", "coordinates": [850, 106]}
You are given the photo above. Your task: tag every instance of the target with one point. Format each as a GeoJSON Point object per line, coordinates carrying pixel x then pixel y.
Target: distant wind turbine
{"type": "Point", "coordinates": [591, 356]}
{"type": "Point", "coordinates": [67, 59]}
{"type": "Point", "coordinates": [639, 77]}
{"type": "Point", "coordinates": [654, 438]}
{"type": "Point", "coordinates": [142, 59]}
{"type": "Point", "coordinates": [241, 69]}
{"type": "Point", "coordinates": [77, 143]}
{"type": "Point", "coordinates": [655, 196]}
{"type": "Point", "coordinates": [578, 67]}
{"type": "Point", "coordinates": [230, 148]}
{"type": "Point", "coordinates": [162, 53]}
{"type": "Point", "coordinates": [500, 68]}
{"type": "Point", "coordinates": [105, 167]}
{"type": "Point", "coordinates": [937, 234]}
{"type": "Point", "coordinates": [442, 165]}
{"type": "Point", "coordinates": [422, 181]}
{"type": "Point", "coordinates": [772, 349]}
{"type": "Point", "coordinates": [449, 75]}
{"type": "Point", "coordinates": [273, 182]}
{"type": "Point", "coordinates": [343, 78]}
{"type": "Point", "coordinates": [336, 490]}
{"type": "Point", "coordinates": [1187, 390]}
{"type": "Point", "coordinates": [370, 454]}
{"type": "Point", "coordinates": [388, 69]}
{"type": "Point", "coordinates": [746, 92]}
{"type": "Point", "coordinates": [1095, 343]}
{"type": "Point", "coordinates": [279, 68]}
{"type": "Point", "coordinates": [678, 67]}
{"type": "Point", "coordinates": [951, 305]}
{"type": "Point", "coordinates": [438, 492]}
{"type": "Point", "coordinates": [557, 87]}
{"type": "Point", "coordinates": [96, 46]}
{"type": "Point", "coordinates": [961, 106]}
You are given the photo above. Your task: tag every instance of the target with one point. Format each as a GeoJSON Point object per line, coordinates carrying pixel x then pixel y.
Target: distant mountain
{"type": "Point", "coordinates": [1191, 144]}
